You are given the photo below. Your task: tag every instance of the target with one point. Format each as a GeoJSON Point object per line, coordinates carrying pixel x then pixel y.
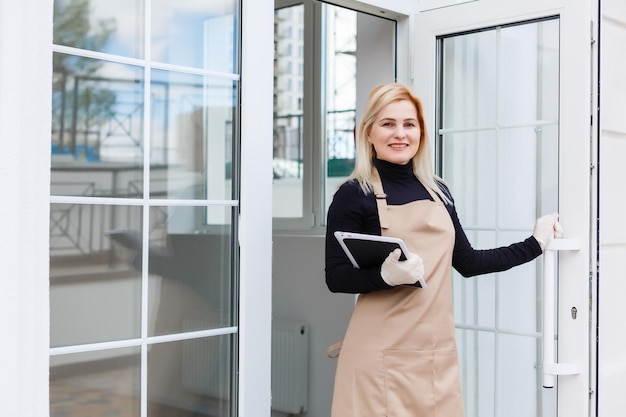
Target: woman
{"type": "Point", "coordinates": [399, 354]}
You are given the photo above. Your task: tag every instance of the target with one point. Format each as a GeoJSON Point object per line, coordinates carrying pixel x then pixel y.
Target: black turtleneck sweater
{"type": "Point", "coordinates": [354, 211]}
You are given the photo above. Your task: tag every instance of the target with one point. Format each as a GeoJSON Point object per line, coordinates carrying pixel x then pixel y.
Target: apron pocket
{"type": "Point", "coordinates": [409, 383]}
{"type": "Point", "coordinates": [422, 383]}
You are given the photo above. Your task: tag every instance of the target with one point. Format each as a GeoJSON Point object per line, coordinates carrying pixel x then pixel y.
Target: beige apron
{"type": "Point", "coordinates": [399, 357]}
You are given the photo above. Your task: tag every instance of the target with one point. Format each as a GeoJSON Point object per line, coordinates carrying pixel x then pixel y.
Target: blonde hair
{"type": "Point", "coordinates": [378, 98]}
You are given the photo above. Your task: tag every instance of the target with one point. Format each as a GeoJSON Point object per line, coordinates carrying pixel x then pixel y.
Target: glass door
{"type": "Point", "coordinates": [144, 256]}
{"type": "Point", "coordinates": [511, 150]}
{"type": "Point", "coordinates": [498, 148]}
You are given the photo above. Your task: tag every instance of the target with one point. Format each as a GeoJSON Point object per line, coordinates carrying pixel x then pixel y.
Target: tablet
{"type": "Point", "coordinates": [370, 251]}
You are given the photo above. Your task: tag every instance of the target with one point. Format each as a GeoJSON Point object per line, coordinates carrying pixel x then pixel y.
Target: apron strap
{"type": "Point", "coordinates": [381, 200]}
{"type": "Point", "coordinates": [433, 194]}
{"type": "Point", "coordinates": [333, 350]}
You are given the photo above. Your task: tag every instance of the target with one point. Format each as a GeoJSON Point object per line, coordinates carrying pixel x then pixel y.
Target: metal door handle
{"type": "Point", "coordinates": [551, 368]}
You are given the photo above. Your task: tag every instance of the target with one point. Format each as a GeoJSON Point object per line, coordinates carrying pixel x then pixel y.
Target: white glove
{"type": "Point", "coordinates": [546, 228]}
{"type": "Point", "coordinates": [396, 272]}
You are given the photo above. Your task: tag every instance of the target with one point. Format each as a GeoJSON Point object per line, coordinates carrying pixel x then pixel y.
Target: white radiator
{"type": "Point", "coordinates": [290, 366]}
{"type": "Point", "coordinates": [206, 365]}
{"type": "Point", "coordinates": [206, 362]}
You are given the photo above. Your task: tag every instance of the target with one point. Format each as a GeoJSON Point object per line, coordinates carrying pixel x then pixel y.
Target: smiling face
{"type": "Point", "coordinates": [395, 134]}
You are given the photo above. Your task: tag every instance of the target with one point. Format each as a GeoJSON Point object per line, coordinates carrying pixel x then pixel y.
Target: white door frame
{"type": "Point", "coordinates": [255, 220]}
{"type": "Point", "coordinates": [574, 399]}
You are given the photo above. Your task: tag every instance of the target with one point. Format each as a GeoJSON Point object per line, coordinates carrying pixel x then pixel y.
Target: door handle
{"type": "Point", "coordinates": [551, 368]}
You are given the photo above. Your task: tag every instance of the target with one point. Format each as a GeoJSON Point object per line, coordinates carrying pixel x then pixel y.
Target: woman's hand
{"type": "Point", "coordinates": [396, 272]}
{"type": "Point", "coordinates": [546, 228]}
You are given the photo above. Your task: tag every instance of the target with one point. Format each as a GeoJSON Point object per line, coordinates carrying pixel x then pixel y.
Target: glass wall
{"type": "Point", "coordinates": [144, 202]}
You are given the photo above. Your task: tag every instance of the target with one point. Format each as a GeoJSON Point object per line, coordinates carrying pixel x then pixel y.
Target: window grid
{"type": "Point", "coordinates": [146, 203]}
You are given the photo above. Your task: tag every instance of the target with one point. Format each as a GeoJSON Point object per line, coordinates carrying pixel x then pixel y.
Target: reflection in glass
{"type": "Point", "coordinates": [97, 116]}
{"type": "Point", "coordinates": [190, 268]}
{"type": "Point", "coordinates": [192, 134]}
{"type": "Point", "coordinates": [476, 353]}
{"type": "Point", "coordinates": [340, 97]}
{"type": "Point", "coordinates": [475, 299]}
{"type": "Point", "coordinates": [95, 292]}
{"type": "Point", "coordinates": [469, 80]}
{"type": "Point", "coordinates": [101, 383]}
{"type": "Point", "coordinates": [191, 378]}
{"type": "Point", "coordinates": [529, 54]}
{"type": "Point", "coordinates": [482, 88]}
{"type": "Point", "coordinates": [111, 26]}
{"type": "Point", "coordinates": [499, 143]}
{"type": "Point", "coordinates": [198, 34]}
{"type": "Point", "coordinates": [288, 116]}
{"type": "Point", "coordinates": [469, 162]}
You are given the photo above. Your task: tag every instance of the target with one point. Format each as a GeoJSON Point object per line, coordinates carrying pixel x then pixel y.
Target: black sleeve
{"type": "Point", "coordinates": [351, 211]}
{"type": "Point", "coordinates": [470, 262]}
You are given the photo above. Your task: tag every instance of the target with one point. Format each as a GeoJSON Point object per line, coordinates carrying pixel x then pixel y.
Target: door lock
{"type": "Point", "coordinates": [574, 313]}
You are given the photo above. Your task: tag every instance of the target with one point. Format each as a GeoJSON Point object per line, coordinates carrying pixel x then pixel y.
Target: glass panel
{"type": "Point", "coordinates": [101, 383]}
{"type": "Point", "coordinates": [97, 145]}
{"type": "Point", "coordinates": [190, 265]}
{"type": "Point", "coordinates": [340, 98]}
{"type": "Point", "coordinates": [192, 134]}
{"type": "Point", "coordinates": [111, 26]}
{"type": "Point", "coordinates": [520, 388]}
{"type": "Point", "coordinates": [95, 289]}
{"type": "Point", "coordinates": [499, 147]}
{"type": "Point", "coordinates": [351, 40]}
{"type": "Point", "coordinates": [475, 299]}
{"type": "Point", "coordinates": [198, 34]}
{"type": "Point", "coordinates": [529, 56]}
{"type": "Point", "coordinates": [97, 263]}
{"type": "Point", "coordinates": [191, 378]}
{"type": "Point", "coordinates": [469, 165]}
{"type": "Point", "coordinates": [288, 117]}
{"type": "Point", "coordinates": [477, 351]}
{"type": "Point", "coordinates": [469, 80]}
{"type": "Point", "coordinates": [532, 187]}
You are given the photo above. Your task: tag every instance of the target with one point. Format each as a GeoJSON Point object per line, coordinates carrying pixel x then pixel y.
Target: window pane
{"type": "Point", "coordinates": [102, 383]}
{"type": "Point", "coordinates": [192, 134]}
{"type": "Point", "coordinates": [340, 97]}
{"type": "Point", "coordinates": [97, 116]}
{"type": "Point", "coordinates": [198, 34]}
{"type": "Point", "coordinates": [469, 78]}
{"type": "Point", "coordinates": [529, 55]}
{"type": "Point", "coordinates": [191, 378]}
{"type": "Point", "coordinates": [95, 289]}
{"type": "Point", "coordinates": [469, 162]}
{"type": "Point", "coordinates": [190, 268]}
{"type": "Point", "coordinates": [288, 118]}
{"type": "Point", "coordinates": [112, 26]}
{"type": "Point", "coordinates": [359, 52]}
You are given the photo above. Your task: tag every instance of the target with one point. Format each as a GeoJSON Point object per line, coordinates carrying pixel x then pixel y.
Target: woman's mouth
{"type": "Point", "coordinates": [398, 145]}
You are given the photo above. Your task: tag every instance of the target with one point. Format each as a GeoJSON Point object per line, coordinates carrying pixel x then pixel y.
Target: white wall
{"type": "Point", "coordinates": [25, 100]}
{"type": "Point", "coordinates": [612, 279]}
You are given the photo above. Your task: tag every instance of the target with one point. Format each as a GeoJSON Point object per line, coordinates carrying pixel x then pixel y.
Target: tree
{"type": "Point", "coordinates": [81, 105]}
